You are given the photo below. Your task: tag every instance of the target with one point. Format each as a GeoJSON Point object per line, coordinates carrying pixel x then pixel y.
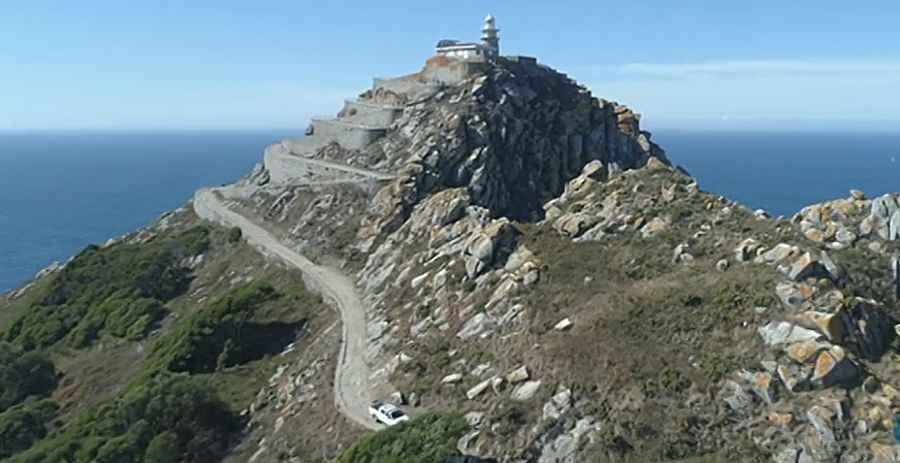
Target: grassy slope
{"type": "Point", "coordinates": [651, 333]}
{"type": "Point", "coordinates": [650, 336]}
{"type": "Point", "coordinates": [95, 374]}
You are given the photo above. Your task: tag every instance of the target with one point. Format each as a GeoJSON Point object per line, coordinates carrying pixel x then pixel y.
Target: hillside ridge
{"type": "Point", "coordinates": [511, 259]}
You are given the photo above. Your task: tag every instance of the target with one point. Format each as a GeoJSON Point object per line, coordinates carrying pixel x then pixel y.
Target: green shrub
{"type": "Point", "coordinates": [118, 290]}
{"type": "Point", "coordinates": [218, 336]}
{"type": "Point", "coordinates": [162, 449]}
{"type": "Point", "coordinates": [173, 418]}
{"type": "Point", "coordinates": [23, 425]}
{"type": "Point", "coordinates": [427, 439]}
{"type": "Point", "coordinates": [23, 375]}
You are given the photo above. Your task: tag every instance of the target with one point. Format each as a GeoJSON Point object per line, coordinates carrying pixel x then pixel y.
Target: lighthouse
{"type": "Point", "coordinates": [489, 39]}
{"type": "Point", "coordinates": [486, 50]}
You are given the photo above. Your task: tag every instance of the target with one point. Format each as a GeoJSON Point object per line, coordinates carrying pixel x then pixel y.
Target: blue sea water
{"type": "Point", "coordinates": [62, 191]}
{"type": "Point", "coordinates": [783, 172]}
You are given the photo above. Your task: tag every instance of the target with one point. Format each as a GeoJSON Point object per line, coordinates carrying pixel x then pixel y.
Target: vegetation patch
{"type": "Point", "coordinates": [224, 334]}
{"type": "Point", "coordinates": [870, 274]}
{"type": "Point", "coordinates": [23, 375]}
{"type": "Point", "coordinates": [167, 418]}
{"type": "Point", "coordinates": [651, 332]}
{"type": "Point", "coordinates": [118, 291]}
{"type": "Point", "coordinates": [23, 425]}
{"type": "Point", "coordinates": [427, 439]}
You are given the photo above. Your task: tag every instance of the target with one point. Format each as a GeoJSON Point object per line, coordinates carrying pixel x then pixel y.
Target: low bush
{"type": "Point", "coordinates": [23, 425]}
{"type": "Point", "coordinates": [117, 290]}
{"type": "Point", "coordinates": [167, 418]}
{"type": "Point", "coordinates": [223, 334]}
{"type": "Point", "coordinates": [23, 375]}
{"type": "Point", "coordinates": [427, 439]}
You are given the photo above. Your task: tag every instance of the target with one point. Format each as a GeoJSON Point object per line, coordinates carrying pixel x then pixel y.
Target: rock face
{"type": "Point", "coordinates": [512, 137]}
{"type": "Point", "coordinates": [885, 216]}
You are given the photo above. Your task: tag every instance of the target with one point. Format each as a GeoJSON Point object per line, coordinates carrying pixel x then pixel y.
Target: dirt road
{"type": "Point", "coordinates": [351, 391]}
{"type": "Point", "coordinates": [345, 168]}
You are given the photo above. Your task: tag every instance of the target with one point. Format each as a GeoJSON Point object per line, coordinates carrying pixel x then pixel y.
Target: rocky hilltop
{"type": "Point", "coordinates": [515, 262]}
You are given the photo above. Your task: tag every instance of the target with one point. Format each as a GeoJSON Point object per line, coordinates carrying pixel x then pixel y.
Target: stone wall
{"type": "Point", "coordinates": [409, 86]}
{"type": "Point", "coordinates": [368, 114]}
{"type": "Point", "coordinates": [306, 146]}
{"type": "Point", "coordinates": [347, 135]}
{"type": "Point", "coordinates": [448, 71]}
{"type": "Point", "coordinates": [284, 166]}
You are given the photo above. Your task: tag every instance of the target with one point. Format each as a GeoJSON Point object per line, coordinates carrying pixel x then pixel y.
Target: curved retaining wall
{"type": "Point", "coordinates": [306, 146]}
{"type": "Point", "coordinates": [413, 89]}
{"type": "Point", "coordinates": [350, 136]}
{"type": "Point", "coordinates": [284, 166]}
{"type": "Point", "coordinates": [369, 114]}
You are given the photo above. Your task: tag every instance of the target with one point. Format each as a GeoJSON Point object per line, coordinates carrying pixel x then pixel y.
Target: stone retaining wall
{"type": "Point", "coordinates": [347, 135]}
{"type": "Point", "coordinates": [412, 88]}
{"type": "Point", "coordinates": [284, 166]}
{"type": "Point", "coordinates": [448, 71]}
{"type": "Point", "coordinates": [368, 114]}
{"type": "Point", "coordinates": [306, 146]}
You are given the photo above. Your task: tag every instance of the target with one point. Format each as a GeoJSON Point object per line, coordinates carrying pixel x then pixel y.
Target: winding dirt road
{"type": "Point", "coordinates": [351, 391]}
{"type": "Point", "coordinates": [346, 168]}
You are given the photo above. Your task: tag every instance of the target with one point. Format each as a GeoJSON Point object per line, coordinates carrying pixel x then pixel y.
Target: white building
{"type": "Point", "coordinates": [487, 50]}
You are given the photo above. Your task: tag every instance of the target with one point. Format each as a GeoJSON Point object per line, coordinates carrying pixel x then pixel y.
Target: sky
{"type": "Point", "coordinates": [199, 64]}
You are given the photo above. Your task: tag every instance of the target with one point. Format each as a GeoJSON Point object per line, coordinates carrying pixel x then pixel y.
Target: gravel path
{"type": "Point", "coordinates": [341, 167]}
{"type": "Point", "coordinates": [351, 391]}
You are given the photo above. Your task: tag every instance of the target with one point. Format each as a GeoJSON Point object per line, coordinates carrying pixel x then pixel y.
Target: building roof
{"type": "Point", "coordinates": [457, 45]}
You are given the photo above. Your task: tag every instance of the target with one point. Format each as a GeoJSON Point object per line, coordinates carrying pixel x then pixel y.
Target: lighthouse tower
{"type": "Point", "coordinates": [489, 39]}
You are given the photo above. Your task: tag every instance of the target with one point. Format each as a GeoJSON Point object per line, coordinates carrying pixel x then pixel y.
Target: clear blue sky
{"type": "Point", "coordinates": [96, 64]}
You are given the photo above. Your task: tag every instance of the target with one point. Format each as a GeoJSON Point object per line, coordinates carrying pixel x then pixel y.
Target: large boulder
{"type": "Point", "coordinates": [780, 252]}
{"type": "Point", "coordinates": [745, 250]}
{"type": "Point", "coordinates": [478, 389]}
{"type": "Point", "coordinates": [481, 324]}
{"type": "Point", "coordinates": [894, 226]}
{"type": "Point", "coordinates": [490, 247]}
{"type": "Point", "coordinates": [574, 224]}
{"type": "Point", "coordinates": [440, 209]}
{"type": "Point", "coordinates": [781, 333]}
{"type": "Point", "coordinates": [882, 215]}
{"type": "Point", "coordinates": [526, 391]}
{"type": "Point", "coordinates": [655, 226]}
{"type": "Point", "coordinates": [834, 368]}
{"type": "Point", "coordinates": [518, 375]}
{"type": "Point", "coordinates": [563, 448]}
{"type": "Point", "coordinates": [808, 266]}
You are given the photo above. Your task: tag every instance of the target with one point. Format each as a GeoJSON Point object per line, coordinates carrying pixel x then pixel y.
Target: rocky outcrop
{"type": "Point", "coordinates": [512, 136]}
{"type": "Point", "coordinates": [885, 217]}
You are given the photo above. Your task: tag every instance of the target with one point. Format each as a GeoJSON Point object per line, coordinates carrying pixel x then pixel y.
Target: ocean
{"type": "Point", "coordinates": [63, 191]}
{"type": "Point", "coordinates": [783, 172]}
